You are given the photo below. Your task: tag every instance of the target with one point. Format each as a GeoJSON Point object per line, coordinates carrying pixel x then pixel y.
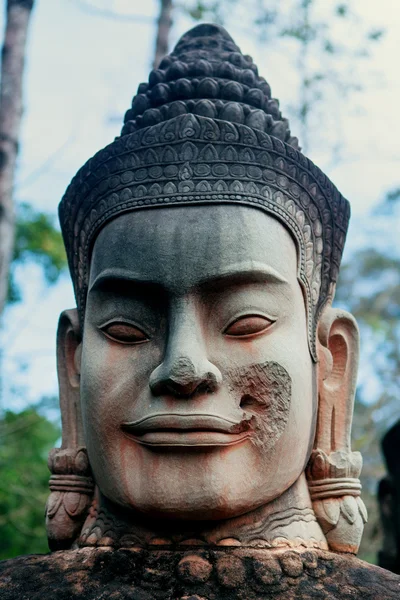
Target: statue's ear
{"type": "Point", "coordinates": [69, 341]}
{"type": "Point", "coordinates": [71, 484]}
{"type": "Point", "coordinates": [338, 354]}
{"type": "Point", "coordinates": [333, 469]}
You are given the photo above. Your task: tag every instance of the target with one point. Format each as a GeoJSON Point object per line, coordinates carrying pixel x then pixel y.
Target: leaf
{"type": "Point", "coordinates": [375, 35]}
{"type": "Point", "coordinates": [37, 239]}
{"type": "Point", "coordinates": [342, 10]}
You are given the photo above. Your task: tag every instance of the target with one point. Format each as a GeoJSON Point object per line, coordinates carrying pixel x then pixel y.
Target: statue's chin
{"type": "Point", "coordinates": [197, 487]}
{"type": "Point", "coordinates": [195, 508]}
{"type": "Point", "coordinates": [194, 511]}
{"type": "Point", "coordinates": [180, 502]}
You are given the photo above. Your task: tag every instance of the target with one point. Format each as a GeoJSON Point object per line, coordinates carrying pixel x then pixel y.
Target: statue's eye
{"type": "Point", "coordinates": [124, 333]}
{"type": "Point", "coordinates": [248, 325]}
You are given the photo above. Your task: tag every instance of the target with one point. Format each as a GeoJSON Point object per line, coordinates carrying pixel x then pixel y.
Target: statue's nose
{"type": "Point", "coordinates": [185, 370]}
{"type": "Point", "coordinates": [184, 379]}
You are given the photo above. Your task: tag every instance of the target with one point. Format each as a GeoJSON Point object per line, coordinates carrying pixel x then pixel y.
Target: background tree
{"type": "Point", "coordinates": [18, 14]}
{"type": "Point", "coordinates": [25, 235]}
{"type": "Point", "coordinates": [164, 24]}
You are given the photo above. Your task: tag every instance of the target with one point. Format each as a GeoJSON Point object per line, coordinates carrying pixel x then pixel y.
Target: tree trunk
{"type": "Point", "coordinates": [12, 67]}
{"type": "Point", "coordinates": [163, 29]}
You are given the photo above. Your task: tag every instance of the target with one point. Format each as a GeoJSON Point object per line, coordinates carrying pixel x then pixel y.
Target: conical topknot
{"type": "Point", "coordinates": [206, 74]}
{"type": "Point", "coordinates": [205, 37]}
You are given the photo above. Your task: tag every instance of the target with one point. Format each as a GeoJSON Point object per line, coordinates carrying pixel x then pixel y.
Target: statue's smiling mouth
{"type": "Point", "coordinates": [172, 429]}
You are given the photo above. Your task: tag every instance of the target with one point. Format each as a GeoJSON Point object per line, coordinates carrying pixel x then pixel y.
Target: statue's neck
{"type": "Point", "coordinates": [286, 521]}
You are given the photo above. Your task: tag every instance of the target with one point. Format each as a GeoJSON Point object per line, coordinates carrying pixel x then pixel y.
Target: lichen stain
{"type": "Point", "coordinates": [264, 391]}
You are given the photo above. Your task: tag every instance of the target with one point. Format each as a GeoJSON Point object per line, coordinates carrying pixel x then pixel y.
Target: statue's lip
{"type": "Point", "coordinates": [183, 422]}
{"type": "Point", "coordinates": [177, 429]}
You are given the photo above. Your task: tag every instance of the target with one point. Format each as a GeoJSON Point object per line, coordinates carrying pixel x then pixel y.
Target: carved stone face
{"type": "Point", "coordinates": [197, 385]}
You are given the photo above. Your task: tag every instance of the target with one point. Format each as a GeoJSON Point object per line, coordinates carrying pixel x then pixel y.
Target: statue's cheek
{"type": "Point", "coordinates": [264, 391]}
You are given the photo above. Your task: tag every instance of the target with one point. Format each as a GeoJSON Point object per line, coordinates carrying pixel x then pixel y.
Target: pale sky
{"type": "Point", "coordinates": [83, 69]}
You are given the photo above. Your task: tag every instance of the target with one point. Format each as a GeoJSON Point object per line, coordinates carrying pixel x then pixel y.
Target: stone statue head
{"type": "Point", "coordinates": [205, 375]}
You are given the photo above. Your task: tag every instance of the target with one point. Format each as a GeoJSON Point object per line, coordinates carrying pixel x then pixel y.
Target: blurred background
{"type": "Point", "coordinates": [334, 67]}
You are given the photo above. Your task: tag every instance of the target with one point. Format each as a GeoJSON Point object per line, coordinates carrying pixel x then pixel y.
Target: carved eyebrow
{"type": "Point", "coordinates": [248, 271]}
{"type": "Point", "coordinates": [107, 276]}
{"type": "Point", "coordinates": [255, 271]}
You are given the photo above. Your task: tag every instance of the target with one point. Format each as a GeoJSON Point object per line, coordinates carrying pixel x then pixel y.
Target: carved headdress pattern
{"type": "Point", "coordinates": [205, 129]}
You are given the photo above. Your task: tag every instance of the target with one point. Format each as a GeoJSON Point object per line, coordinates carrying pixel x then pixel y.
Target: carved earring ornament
{"type": "Point", "coordinates": [71, 484]}
{"type": "Point", "coordinates": [333, 470]}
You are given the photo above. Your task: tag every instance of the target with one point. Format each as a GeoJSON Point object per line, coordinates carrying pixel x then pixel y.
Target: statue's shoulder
{"type": "Point", "coordinates": [237, 574]}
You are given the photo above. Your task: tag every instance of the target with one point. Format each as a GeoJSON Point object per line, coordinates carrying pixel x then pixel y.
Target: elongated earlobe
{"type": "Point", "coordinates": [70, 483]}
{"type": "Point", "coordinates": [333, 469]}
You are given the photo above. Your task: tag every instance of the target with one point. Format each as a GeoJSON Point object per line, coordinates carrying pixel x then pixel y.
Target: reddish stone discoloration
{"type": "Point", "coordinates": [224, 574]}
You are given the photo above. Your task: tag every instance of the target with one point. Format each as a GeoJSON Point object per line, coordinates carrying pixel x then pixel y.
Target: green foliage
{"type": "Point", "coordinates": [205, 10]}
{"type": "Point", "coordinates": [36, 240]}
{"type": "Point", "coordinates": [199, 10]}
{"type": "Point", "coordinates": [390, 203]}
{"type": "Point", "coordinates": [341, 10]}
{"type": "Point", "coordinates": [375, 34]}
{"type": "Point", "coordinates": [25, 439]}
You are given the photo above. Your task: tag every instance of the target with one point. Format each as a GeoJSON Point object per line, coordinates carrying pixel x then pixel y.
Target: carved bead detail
{"type": "Point", "coordinates": [267, 572]}
{"type": "Point", "coordinates": [194, 569]}
{"type": "Point", "coordinates": [292, 564]}
{"type": "Point", "coordinates": [150, 576]}
{"type": "Point", "coordinates": [230, 571]}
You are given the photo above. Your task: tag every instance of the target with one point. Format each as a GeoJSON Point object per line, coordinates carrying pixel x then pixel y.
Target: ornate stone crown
{"type": "Point", "coordinates": [205, 130]}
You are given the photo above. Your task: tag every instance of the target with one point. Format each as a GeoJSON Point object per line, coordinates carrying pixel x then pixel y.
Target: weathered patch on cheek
{"type": "Point", "coordinates": [264, 392]}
